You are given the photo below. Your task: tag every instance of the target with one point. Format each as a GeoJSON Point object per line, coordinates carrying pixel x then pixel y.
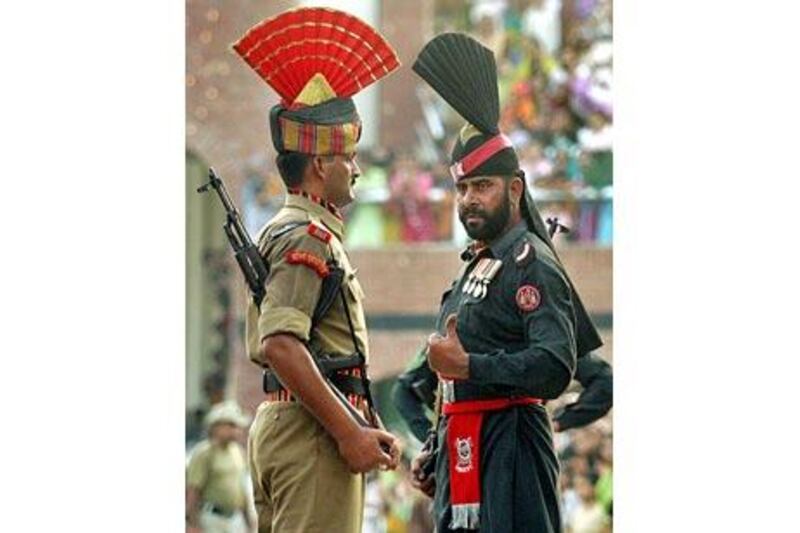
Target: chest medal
{"type": "Point", "coordinates": [478, 282]}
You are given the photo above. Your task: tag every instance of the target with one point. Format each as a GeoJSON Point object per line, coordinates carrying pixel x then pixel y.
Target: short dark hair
{"type": "Point", "coordinates": [292, 167]}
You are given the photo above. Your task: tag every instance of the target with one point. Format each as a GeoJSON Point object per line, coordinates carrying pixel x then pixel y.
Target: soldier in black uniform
{"type": "Point", "coordinates": [509, 328]}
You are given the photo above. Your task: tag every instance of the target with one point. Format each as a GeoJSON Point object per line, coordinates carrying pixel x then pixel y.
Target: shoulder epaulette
{"type": "Point", "coordinates": [524, 252]}
{"type": "Point", "coordinates": [286, 228]}
{"type": "Point", "coordinates": [319, 232]}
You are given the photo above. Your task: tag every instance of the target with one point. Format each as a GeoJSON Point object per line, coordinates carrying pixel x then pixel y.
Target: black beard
{"type": "Point", "coordinates": [493, 224]}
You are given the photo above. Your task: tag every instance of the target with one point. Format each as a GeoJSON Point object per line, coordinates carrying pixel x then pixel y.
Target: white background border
{"type": "Point", "coordinates": [706, 295]}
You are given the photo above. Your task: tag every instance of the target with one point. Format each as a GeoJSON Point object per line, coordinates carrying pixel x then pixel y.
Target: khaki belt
{"type": "Point", "coordinates": [284, 395]}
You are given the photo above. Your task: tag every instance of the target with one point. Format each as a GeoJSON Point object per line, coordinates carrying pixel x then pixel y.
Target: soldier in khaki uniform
{"type": "Point", "coordinates": [306, 451]}
{"type": "Point", "coordinates": [216, 493]}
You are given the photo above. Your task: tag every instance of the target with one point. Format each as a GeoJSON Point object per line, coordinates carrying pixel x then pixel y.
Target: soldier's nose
{"type": "Point", "coordinates": [472, 203]}
{"type": "Point", "coordinates": [471, 199]}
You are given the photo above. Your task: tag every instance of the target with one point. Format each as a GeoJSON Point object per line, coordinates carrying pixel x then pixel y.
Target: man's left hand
{"type": "Point", "coordinates": [446, 356]}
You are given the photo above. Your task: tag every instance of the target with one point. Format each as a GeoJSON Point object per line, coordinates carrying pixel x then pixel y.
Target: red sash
{"type": "Point", "coordinates": [463, 451]}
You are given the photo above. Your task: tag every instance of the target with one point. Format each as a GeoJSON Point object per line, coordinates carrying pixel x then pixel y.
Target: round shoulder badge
{"type": "Point", "coordinates": [528, 298]}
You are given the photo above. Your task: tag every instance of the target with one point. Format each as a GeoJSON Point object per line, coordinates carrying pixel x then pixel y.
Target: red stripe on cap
{"type": "Point", "coordinates": [478, 156]}
{"type": "Point", "coordinates": [306, 143]}
{"type": "Point", "coordinates": [337, 139]}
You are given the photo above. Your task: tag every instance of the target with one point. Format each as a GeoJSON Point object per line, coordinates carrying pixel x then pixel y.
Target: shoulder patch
{"type": "Point", "coordinates": [319, 232]}
{"type": "Point", "coordinates": [315, 263]}
{"type": "Point", "coordinates": [524, 253]}
{"type": "Point", "coordinates": [528, 298]}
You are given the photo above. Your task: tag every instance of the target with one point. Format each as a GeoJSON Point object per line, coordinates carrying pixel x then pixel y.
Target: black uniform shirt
{"type": "Point", "coordinates": [514, 351]}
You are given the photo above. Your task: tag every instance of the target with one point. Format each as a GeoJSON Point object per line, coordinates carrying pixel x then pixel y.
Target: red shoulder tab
{"type": "Point", "coordinates": [319, 232]}
{"type": "Point", "coordinates": [315, 263]}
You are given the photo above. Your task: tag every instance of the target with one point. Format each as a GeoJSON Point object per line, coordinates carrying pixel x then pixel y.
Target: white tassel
{"type": "Point", "coordinates": [448, 391]}
{"type": "Point", "coordinates": [466, 516]}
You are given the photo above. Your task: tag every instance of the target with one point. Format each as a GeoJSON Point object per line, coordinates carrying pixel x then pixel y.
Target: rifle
{"type": "Point", "coordinates": [256, 271]}
{"type": "Point", "coordinates": [246, 253]}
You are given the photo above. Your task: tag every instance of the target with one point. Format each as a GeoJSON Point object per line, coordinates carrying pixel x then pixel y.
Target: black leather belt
{"type": "Point", "coordinates": [330, 367]}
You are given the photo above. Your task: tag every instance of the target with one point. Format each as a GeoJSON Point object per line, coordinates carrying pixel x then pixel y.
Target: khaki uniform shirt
{"type": "Point", "coordinates": [218, 474]}
{"type": "Point", "coordinates": [293, 288]}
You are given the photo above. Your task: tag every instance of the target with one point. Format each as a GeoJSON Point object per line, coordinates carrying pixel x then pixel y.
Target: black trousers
{"type": "Point", "coordinates": [519, 474]}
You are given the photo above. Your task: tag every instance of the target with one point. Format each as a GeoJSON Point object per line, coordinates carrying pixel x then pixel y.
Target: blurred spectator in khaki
{"type": "Point", "coordinates": [589, 516]}
{"type": "Point", "coordinates": [216, 476]}
{"type": "Point", "coordinates": [410, 188]}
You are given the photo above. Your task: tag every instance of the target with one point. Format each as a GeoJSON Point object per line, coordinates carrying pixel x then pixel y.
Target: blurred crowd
{"type": "Point", "coordinates": [586, 478]}
{"type": "Point", "coordinates": [586, 458]}
{"type": "Point", "coordinates": [554, 61]}
{"type": "Point", "coordinates": [392, 505]}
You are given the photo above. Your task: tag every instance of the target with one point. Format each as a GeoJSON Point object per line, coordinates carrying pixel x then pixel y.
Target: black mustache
{"type": "Point", "coordinates": [473, 212]}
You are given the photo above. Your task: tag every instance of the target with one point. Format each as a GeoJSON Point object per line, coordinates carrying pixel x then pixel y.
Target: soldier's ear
{"type": "Point", "coordinates": [516, 189]}
{"type": "Point", "coordinates": [316, 167]}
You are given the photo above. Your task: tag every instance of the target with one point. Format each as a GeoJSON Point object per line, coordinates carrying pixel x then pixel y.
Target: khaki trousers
{"type": "Point", "coordinates": [300, 482]}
